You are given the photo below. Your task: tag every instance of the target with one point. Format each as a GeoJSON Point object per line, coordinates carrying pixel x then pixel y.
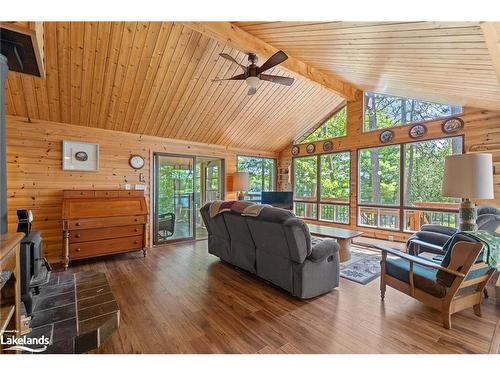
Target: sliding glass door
{"type": "Point", "coordinates": [182, 185]}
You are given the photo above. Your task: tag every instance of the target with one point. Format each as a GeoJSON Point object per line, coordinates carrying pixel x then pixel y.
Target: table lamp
{"type": "Point", "coordinates": [240, 183]}
{"type": "Point", "coordinates": [468, 176]}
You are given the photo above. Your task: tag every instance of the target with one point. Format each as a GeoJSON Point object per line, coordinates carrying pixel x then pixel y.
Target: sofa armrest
{"type": "Point", "coordinates": [323, 249]}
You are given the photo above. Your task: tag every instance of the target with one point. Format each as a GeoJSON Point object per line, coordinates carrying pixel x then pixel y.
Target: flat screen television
{"type": "Point", "coordinates": [280, 199]}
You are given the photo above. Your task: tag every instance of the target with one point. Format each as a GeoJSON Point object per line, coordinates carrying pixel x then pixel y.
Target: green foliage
{"type": "Point", "coordinates": [385, 111]}
{"type": "Point", "coordinates": [335, 176]}
{"type": "Point", "coordinates": [335, 126]}
{"type": "Point", "coordinates": [261, 173]}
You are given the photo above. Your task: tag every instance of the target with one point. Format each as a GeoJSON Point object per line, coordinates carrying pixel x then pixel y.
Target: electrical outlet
{"type": "Point", "coordinates": [391, 238]}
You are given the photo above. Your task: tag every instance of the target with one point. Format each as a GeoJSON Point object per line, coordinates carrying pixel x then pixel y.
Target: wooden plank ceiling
{"type": "Point", "coordinates": [156, 78]}
{"type": "Point", "coordinates": [435, 61]}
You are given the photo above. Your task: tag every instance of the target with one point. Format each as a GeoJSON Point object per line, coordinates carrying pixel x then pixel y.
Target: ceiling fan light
{"type": "Point", "coordinates": [252, 82]}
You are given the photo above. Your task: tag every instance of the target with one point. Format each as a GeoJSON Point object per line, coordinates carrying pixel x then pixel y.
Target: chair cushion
{"type": "Point", "coordinates": [438, 229]}
{"type": "Point", "coordinates": [424, 278]}
{"type": "Point", "coordinates": [434, 238]}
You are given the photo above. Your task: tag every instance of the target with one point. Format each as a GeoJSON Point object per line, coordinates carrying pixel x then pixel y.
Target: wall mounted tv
{"type": "Point", "coordinates": [281, 199]}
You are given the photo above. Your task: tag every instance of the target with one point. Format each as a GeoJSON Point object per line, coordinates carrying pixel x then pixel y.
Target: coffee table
{"type": "Point", "coordinates": [343, 236]}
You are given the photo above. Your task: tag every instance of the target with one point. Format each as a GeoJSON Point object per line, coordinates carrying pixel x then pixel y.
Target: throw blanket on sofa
{"type": "Point", "coordinates": [254, 210]}
{"type": "Point", "coordinates": [224, 206]}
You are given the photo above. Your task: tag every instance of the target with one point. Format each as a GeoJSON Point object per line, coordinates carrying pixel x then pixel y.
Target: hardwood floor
{"type": "Point", "coordinates": [180, 299]}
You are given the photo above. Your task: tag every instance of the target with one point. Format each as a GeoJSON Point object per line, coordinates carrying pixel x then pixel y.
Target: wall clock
{"type": "Point", "coordinates": [328, 146]}
{"type": "Point", "coordinates": [452, 125]}
{"type": "Point", "coordinates": [418, 131]}
{"type": "Point", "coordinates": [386, 136]}
{"type": "Point", "coordinates": [310, 148]}
{"type": "Point", "coordinates": [295, 150]}
{"type": "Point", "coordinates": [136, 161]}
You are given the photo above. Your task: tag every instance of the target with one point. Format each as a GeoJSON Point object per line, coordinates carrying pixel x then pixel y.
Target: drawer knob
{"type": "Point", "coordinates": [78, 250]}
{"type": "Point", "coordinates": [136, 219]}
{"type": "Point", "coordinates": [135, 242]}
{"type": "Point", "coordinates": [81, 193]}
{"type": "Point", "coordinates": [77, 224]}
{"type": "Point", "coordinates": [136, 230]}
{"type": "Point", "coordinates": [77, 235]}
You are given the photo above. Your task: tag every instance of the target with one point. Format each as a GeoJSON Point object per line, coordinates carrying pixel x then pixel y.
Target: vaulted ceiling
{"type": "Point", "coordinates": [156, 78]}
{"type": "Point", "coordinates": [435, 61]}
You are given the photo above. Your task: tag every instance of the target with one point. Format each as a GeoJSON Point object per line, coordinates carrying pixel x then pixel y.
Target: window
{"type": "Point", "coordinates": [383, 203]}
{"type": "Point", "coordinates": [335, 126]}
{"type": "Point", "coordinates": [385, 111]}
{"type": "Point", "coordinates": [379, 175]}
{"type": "Point", "coordinates": [262, 174]}
{"type": "Point", "coordinates": [328, 198]}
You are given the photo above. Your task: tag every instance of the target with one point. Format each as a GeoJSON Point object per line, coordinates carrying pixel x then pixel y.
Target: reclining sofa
{"type": "Point", "coordinates": [276, 246]}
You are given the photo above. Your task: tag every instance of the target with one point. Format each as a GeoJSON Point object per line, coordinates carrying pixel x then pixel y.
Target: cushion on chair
{"type": "Point", "coordinates": [424, 278]}
{"type": "Point", "coordinates": [443, 277]}
{"type": "Point", "coordinates": [438, 229]}
{"type": "Point", "coordinates": [434, 238]}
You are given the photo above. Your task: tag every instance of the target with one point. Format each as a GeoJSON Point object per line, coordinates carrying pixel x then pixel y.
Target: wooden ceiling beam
{"type": "Point", "coordinates": [237, 38]}
{"type": "Point", "coordinates": [491, 32]}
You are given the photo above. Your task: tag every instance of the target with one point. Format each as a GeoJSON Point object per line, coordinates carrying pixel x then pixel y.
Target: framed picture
{"type": "Point", "coordinates": [386, 136]}
{"type": "Point", "coordinates": [328, 146]}
{"type": "Point", "coordinates": [80, 156]}
{"type": "Point", "coordinates": [418, 131]}
{"type": "Point", "coordinates": [310, 148]}
{"type": "Point", "coordinates": [295, 150]}
{"type": "Point", "coordinates": [452, 125]}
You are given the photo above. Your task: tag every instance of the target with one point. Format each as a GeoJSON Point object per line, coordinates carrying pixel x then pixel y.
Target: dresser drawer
{"type": "Point", "coordinates": [131, 193]}
{"type": "Point", "coordinates": [106, 194]}
{"type": "Point", "coordinates": [78, 193]}
{"type": "Point", "coordinates": [96, 248]}
{"type": "Point", "coordinates": [105, 233]}
{"type": "Point", "coordinates": [105, 222]}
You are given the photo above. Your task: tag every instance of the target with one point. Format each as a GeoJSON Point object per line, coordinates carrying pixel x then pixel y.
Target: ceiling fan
{"type": "Point", "coordinates": [253, 74]}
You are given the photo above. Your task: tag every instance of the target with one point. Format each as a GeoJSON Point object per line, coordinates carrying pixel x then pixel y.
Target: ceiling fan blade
{"type": "Point", "coordinates": [230, 58]}
{"type": "Point", "coordinates": [235, 78]}
{"type": "Point", "coordinates": [287, 81]}
{"type": "Point", "coordinates": [274, 60]}
{"type": "Point", "coordinates": [251, 91]}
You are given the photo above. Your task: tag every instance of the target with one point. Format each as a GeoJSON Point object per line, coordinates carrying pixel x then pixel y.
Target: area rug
{"type": "Point", "coordinates": [363, 267]}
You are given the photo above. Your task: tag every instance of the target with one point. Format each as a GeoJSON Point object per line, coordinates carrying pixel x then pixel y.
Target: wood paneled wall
{"type": "Point", "coordinates": [481, 133]}
{"type": "Point", "coordinates": [36, 178]}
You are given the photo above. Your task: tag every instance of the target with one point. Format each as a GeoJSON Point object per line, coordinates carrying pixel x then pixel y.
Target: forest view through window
{"type": "Point", "coordinates": [385, 111]}
{"type": "Point", "coordinates": [328, 198]}
{"type": "Point", "coordinates": [380, 178]}
{"type": "Point", "coordinates": [262, 175]}
{"type": "Point", "coordinates": [335, 126]}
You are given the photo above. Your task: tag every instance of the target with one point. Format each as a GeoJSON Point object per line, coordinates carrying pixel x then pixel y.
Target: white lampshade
{"type": "Point", "coordinates": [468, 176]}
{"type": "Point", "coordinates": [240, 181]}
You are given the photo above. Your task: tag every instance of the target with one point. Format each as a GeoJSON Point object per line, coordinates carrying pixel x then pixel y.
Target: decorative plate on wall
{"type": "Point", "coordinates": [310, 148]}
{"type": "Point", "coordinates": [452, 125]}
{"type": "Point", "coordinates": [386, 136]}
{"type": "Point", "coordinates": [295, 150]}
{"type": "Point", "coordinates": [328, 146]}
{"type": "Point", "coordinates": [418, 131]}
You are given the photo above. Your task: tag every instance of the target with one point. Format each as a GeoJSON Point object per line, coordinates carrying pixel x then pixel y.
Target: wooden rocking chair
{"type": "Point", "coordinates": [454, 285]}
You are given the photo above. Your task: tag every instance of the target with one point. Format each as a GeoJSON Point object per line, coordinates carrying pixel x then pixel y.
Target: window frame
{"type": "Point", "coordinates": [275, 170]}
{"type": "Point", "coordinates": [402, 207]}
{"type": "Point", "coordinates": [442, 118]}
{"type": "Point", "coordinates": [317, 201]}
{"type": "Point", "coordinates": [302, 140]}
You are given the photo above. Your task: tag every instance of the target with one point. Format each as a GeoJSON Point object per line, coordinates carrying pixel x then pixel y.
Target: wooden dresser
{"type": "Point", "coordinates": [102, 222]}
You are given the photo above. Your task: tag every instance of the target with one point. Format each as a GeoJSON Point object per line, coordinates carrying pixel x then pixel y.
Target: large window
{"type": "Point", "coordinates": [419, 167]}
{"type": "Point", "coordinates": [262, 174]}
{"type": "Point", "coordinates": [322, 187]}
{"type": "Point", "coordinates": [335, 126]}
{"type": "Point", "coordinates": [385, 111]}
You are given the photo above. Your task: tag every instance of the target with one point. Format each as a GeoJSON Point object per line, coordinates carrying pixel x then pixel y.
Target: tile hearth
{"type": "Point", "coordinates": [78, 311]}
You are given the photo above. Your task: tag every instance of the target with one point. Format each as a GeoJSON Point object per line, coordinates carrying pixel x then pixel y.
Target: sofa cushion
{"type": "Point", "coordinates": [448, 231]}
{"type": "Point", "coordinates": [424, 278]}
{"type": "Point", "coordinates": [434, 238]}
